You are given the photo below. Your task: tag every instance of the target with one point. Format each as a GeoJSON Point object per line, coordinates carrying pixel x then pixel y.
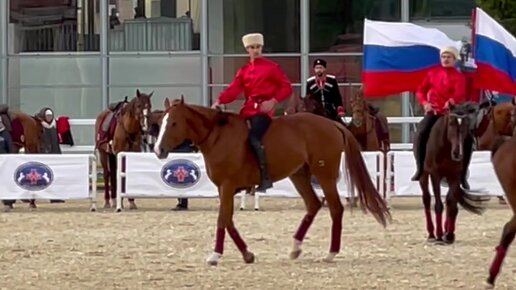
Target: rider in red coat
{"type": "Point", "coordinates": [264, 85]}
{"type": "Point", "coordinates": [442, 85]}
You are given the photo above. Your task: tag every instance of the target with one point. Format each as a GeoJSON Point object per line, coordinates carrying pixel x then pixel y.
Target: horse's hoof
{"type": "Point", "coordinates": [430, 239]}
{"type": "Point", "coordinates": [118, 210]}
{"type": "Point", "coordinates": [295, 254]}
{"type": "Point", "coordinates": [440, 242]}
{"type": "Point", "coordinates": [7, 208]}
{"type": "Point", "coordinates": [132, 206]}
{"type": "Point", "coordinates": [256, 209]}
{"type": "Point", "coordinates": [248, 257]}
{"type": "Point", "coordinates": [330, 258]}
{"type": "Point", "coordinates": [489, 285]}
{"type": "Point", "coordinates": [241, 208]}
{"type": "Point", "coordinates": [449, 238]}
{"type": "Point", "coordinates": [93, 209]}
{"type": "Point", "coordinates": [213, 259]}
{"type": "Point", "coordinates": [107, 205]}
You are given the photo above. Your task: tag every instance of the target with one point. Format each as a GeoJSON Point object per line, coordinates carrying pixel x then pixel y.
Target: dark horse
{"type": "Point", "coordinates": [503, 157]}
{"type": "Point", "coordinates": [444, 159]}
{"type": "Point", "coordinates": [26, 133]}
{"type": "Point", "coordinates": [293, 150]}
{"type": "Point", "coordinates": [120, 128]}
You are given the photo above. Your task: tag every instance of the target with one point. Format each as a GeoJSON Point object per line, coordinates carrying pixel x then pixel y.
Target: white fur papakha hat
{"type": "Point", "coordinates": [252, 38]}
{"type": "Point", "coordinates": [451, 50]}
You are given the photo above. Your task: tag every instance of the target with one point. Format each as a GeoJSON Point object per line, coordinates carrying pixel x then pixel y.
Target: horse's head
{"type": "Point", "coordinates": [140, 107]}
{"type": "Point", "coordinates": [460, 123]}
{"type": "Point", "coordinates": [358, 108]}
{"type": "Point", "coordinates": [181, 122]}
{"type": "Point", "coordinates": [501, 118]}
{"type": "Point", "coordinates": [513, 116]}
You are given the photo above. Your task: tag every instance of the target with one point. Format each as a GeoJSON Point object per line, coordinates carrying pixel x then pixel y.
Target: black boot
{"type": "Point", "coordinates": [420, 159]}
{"type": "Point", "coordinates": [468, 152]}
{"type": "Point", "coordinates": [265, 181]}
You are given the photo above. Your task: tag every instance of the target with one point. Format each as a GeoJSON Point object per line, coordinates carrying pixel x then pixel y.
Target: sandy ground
{"type": "Point", "coordinates": [64, 246]}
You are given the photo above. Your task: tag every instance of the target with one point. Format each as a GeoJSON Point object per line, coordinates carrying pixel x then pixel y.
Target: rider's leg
{"type": "Point", "coordinates": [259, 125]}
{"type": "Point", "coordinates": [425, 129]}
{"type": "Point", "coordinates": [468, 151]}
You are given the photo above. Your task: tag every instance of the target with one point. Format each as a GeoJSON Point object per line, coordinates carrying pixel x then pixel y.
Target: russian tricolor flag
{"type": "Point", "coordinates": [398, 55]}
{"type": "Point", "coordinates": [495, 55]}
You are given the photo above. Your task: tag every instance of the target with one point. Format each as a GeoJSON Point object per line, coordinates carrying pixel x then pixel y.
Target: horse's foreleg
{"type": "Point", "coordinates": [112, 178]}
{"type": "Point", "coordinates": [106, 176]}
{"type": "Point", "coordinates": [436, 186]}
{"type": "Point", "coordinates": [452, 210]}
{"type": "Point", "coordinates": [423, 183]}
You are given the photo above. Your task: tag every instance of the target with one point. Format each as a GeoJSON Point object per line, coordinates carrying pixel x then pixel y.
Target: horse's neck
{"type": "Point", "coordinates": [487, 139]}
{"type": "Point", "coordinates": [132, 126]}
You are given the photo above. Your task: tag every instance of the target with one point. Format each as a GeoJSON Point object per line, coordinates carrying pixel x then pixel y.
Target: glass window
{"type": "Point", "coordinates": [424, 9]}
{"type": "Point", "coordinates": [337, 25]}
{"type": "Point", "coordinates": [345, 68]}
{"type": "Point", "coordinates": [224, 69]}
{"type": "Point", "coordinates": [53, 25]}
{"type": "Point", "coordinates": [154, 70]}
{"type": "Point", "coordinates": [51, 70]}
{"type": "Point", "coordinates": [77, 103]}
{"type": "Point", "coordinates": [154, 25]}
{"type": "Point", "coordinates": [229, 20]}
{"type": "Point", "coordinates": [191, 94]}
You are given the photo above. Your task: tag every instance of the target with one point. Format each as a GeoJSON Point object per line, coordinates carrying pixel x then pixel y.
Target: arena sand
{"type": "Point", "coordinates": [64, 246]}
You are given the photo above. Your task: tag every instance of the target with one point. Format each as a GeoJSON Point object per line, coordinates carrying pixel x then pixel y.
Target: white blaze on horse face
{"type": "Point", "coordinates": [162, 130]}
{"type": "Point", "coordinates": [145, 117]}
{"type": "Point", "coordinates": [459, 120]}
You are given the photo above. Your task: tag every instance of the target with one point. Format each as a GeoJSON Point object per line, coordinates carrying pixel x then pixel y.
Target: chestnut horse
{"type": "Point", "coordinates": [26, 132]}
{"type": "Point", "coordinates": [496, 123]}
{"type": "Point", "coordinates": [131, 126]}
{"type": "Point", "coordinates": [444, 159]}
{"type": "Point", "coordinates": [293, 145]}
{"type": "Point", "coordinates": [503, 157]}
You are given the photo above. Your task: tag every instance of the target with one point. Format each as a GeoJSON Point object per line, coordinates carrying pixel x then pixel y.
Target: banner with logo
{"type": "Point", "coordinates": [481, 177]}
{"type": "Point", "coordinates": [180, 175]}
{"type": "Point", "coordinates": [43, 176]}
{"type": "Point", "coordinates": [184, 175]}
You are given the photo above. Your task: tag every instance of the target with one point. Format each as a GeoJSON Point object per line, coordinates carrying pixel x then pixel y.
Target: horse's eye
{"type": "Point", "coordinates": [173, 124]}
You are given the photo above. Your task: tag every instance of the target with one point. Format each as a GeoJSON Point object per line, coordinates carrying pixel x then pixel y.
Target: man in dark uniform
{"type": "Point", "coordinates": [324, 89]}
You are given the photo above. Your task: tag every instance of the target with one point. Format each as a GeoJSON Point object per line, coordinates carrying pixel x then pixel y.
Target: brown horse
{"type": "Point", "coordinates": [503, 157]}
{"type": "Point", "coordinates": [125, 123]}
{"type": "Point", "coordinates": [444, 159]}
{"type": "Point", "coordinates": [496, 123]}
{"type": "Point", "coordinates": [26, 133]}
{"type": "Point", "coordinates": [293, 150]}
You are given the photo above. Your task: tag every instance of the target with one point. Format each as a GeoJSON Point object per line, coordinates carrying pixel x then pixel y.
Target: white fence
{"type": "Point", "coordinates": [91, 122]}
{"type": "Point", "coordinates": [183, 175]}
{"type": "Point", "coordinates": [48, 176]}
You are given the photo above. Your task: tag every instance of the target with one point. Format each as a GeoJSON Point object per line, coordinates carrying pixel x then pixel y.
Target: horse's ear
{"type": "Point", "coordinates": [150, 95]}
{"type": "Point", "coordinates": [182, 99]}
{"type": "Point", "coordinates": [451, 106]}
{"type": "Point", "coordinates": [166, 103]}
{"type": "Point", "coordinates": [513, 101]}
{"type": "Point", "coordinates": [138, 92]}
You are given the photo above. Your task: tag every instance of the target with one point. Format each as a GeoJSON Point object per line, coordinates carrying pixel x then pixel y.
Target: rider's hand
{"type": "Point", "coordinates": [428, 108]}
{"type": "Point", "coordinates": [267, 106]}
{"type": "Point", "coordinates": [215, 105]}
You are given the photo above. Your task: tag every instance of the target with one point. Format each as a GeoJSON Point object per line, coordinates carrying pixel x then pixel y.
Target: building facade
{"type": "Point", "coordinates": [77, 56]}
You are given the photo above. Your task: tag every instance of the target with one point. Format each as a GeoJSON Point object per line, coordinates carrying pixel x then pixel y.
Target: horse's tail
{"type": "Point", "coordinates": [356, 169]}
{"type": "Point", "coordinates": [471, 203]}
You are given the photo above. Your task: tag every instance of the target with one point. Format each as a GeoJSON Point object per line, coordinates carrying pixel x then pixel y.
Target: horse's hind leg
{"type": "Point", "coordinates": [423, 183]}
{"type": "Point", "coordinates": [509, 231]}
{"type": "Point", "coordinates": [438, 207]}
{"type": "Point", "coordinates": [106, 176]}
{"type": "Point", "coordinates": [329, 186]}
{"type": "Point", "coordinates": [303, 185]}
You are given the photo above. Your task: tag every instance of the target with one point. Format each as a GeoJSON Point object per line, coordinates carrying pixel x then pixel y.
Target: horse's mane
{"type": "Point", "coordinates": [129, 107]}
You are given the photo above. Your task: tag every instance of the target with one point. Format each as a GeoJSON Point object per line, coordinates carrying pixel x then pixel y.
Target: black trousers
{"type": "Point", "coordinates": [258, 127]}
{"type": "Point", "coordinates": [425, 127]}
